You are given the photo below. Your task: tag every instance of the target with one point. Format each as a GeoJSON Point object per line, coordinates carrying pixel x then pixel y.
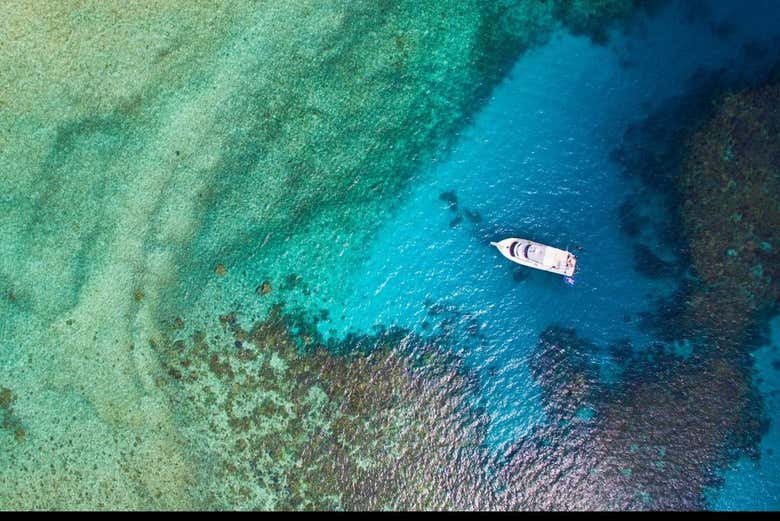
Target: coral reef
{"type": "Point", "coordinates": [711, 156]}
{"type": "Point", "coordinates": [730, 186]}
{"type": "Point", "coordinates": [683, 156]}
{"type": "Point", "coordinates": [653, 440]}
{"type": "Point", "coordinates": [563, 366]}
{"type": "Point", "coordinates": [289, 424]}
{"type": "Point", "coordinates": [652, 152]}
{"type": "Point", "coordinates": [284, 419]}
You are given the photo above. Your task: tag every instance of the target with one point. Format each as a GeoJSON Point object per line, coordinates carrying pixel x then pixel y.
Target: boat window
{"type": "Point", "coordinates": [534, 253]}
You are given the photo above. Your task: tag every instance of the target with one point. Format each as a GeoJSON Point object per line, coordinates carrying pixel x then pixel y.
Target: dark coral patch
{"type": "Point", "coordinates": [595, 19]}
{"type": "Point", "coordinates": [451, 198]}
{"type": "Point", "coordinates": [6, 398]}
{"type": "Point", "coordinates": [631, 222]}
{"type": "Point", "coordinates": [292, 280]}
{"type": "Point", "coordinates": [8, 419]}
{"type": "Point", "coordinates": [651, 265]}
{"type": "Point", "coordinates": [562, 363]}
{"type": "Point", "coordinates": [472, 216]}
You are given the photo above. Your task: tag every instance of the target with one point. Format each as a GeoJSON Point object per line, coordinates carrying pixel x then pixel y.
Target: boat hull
{"type": "Point", "coordinates": [537, 255]}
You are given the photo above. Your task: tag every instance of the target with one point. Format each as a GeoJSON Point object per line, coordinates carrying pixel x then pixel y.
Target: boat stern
{"type": "Point", "coordinates": [571, 265]}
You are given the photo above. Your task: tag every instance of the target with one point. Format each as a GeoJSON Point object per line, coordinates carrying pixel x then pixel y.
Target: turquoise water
{"type": "Point", "coordinates": [752, 485]}
{"type": "Point", "coordinates": [250, 267]}
{"type": "Point", "coordinates": [536, 163]}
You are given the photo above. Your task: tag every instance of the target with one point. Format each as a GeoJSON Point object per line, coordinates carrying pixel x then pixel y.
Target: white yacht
{"type": "Point", "coordinates": [539, 256]}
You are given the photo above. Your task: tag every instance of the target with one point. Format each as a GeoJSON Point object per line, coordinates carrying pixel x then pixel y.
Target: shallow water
{"type": "Point", "coordinates": [233, 177]}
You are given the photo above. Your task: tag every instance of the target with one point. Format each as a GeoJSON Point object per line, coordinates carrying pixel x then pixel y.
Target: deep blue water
{"type": "Point", "coordinates": [536, 163]}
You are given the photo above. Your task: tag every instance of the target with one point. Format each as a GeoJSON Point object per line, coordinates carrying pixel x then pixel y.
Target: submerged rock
{"type": "Point", "coordinates": [451, 198]}
{"type": "Point", "coordinates": [264, 288]}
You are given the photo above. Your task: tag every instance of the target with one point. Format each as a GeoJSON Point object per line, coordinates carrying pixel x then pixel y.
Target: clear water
{"type": "Point", "coordinates": [536, 163]}
{"type": "Point", "coordinates": [144, 205]}
{"type": "Point", "coordinates": [533, 165]}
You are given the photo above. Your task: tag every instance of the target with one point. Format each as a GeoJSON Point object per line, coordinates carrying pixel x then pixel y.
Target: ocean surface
{"type": "Point", "coordinates": [147, 225]}
{"type": "Point", "coordinates": [536, 163]}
